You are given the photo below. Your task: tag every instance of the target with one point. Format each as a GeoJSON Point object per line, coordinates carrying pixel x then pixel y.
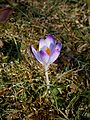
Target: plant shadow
{"type": "Point", "coordinates": [11, 50]}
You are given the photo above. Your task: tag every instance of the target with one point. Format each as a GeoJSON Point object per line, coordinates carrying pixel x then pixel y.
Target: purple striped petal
{"type": "Point", "coordinates": [58, 47]}
{"type": "Point", "coordinates": [49, 40]}
{"type": "Point", "coordinates": [42, 43]}
{"type": "Point", "coordinates": [44, 56]}
{"type": "Point", "coordinates": [54, 56]}
{"type": "Point", "coordinates": [52, 48]}
{"type": "Point", "coordinates": [36, 54]}
{"type": "Point", "coordinates": [55, 53]}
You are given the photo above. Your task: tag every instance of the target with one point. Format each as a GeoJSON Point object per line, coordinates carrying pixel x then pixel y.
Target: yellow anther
{"type": "Point", "coordinates": [47, 51]}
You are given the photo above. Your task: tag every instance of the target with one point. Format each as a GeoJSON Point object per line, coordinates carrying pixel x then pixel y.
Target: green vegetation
{"type": "Point", "coordinates": [22, 79]}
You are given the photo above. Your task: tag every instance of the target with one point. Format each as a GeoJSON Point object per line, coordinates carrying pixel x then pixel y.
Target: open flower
{"type": "Point", "coordinates": [48, 52]}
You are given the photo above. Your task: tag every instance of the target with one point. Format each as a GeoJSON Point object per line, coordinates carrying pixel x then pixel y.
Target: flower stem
{"type": "Point", "coordinates": [47, 78]}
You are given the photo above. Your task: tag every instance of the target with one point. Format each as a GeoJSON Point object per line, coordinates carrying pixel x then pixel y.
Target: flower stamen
{"type": "Point", "coordinates": [48, 51]}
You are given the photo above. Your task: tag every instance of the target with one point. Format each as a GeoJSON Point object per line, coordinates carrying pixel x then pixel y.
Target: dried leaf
{"type": "Point", "coordinates": [5, 14]}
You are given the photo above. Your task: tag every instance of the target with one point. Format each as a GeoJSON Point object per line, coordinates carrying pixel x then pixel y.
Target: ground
{"type": "Point", "coordinates": [22, 78]}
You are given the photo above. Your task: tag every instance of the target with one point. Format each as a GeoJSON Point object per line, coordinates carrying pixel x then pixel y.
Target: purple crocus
{"type": "Point", "coordinates": [48, 52]}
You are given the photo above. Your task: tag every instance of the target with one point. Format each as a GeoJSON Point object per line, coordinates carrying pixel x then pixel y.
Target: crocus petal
{"type": "Point", "coordinates": [44, 56]}
{"type": "Point", "coordinates": [49, 40]}
{"type": "Point", "coordinates": [58, 46]}
{"type": "Point", "coordinates": [54, 56]}
{"type": "Point", "coordinates": [42, 43]}
{"type": "Point", "coordinates": [55, 53]}
{"type": "Point", "coordinates": [36, 54]}
{"type": "Point", "coordinates": [52, 48]}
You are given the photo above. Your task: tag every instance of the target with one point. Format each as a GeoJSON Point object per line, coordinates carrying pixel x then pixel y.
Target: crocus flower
{"type": "Point", "coordinates": [48, 52]}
